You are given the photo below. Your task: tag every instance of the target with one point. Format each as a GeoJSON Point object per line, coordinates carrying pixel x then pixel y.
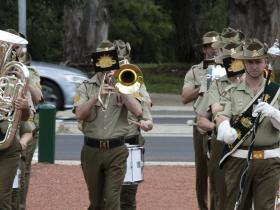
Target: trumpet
{"type": "Point", "coordinates": [126, 80]}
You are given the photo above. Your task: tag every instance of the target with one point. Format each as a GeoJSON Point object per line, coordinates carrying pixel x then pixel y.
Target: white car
{"type": "Point", "coordinates": [59, 83]}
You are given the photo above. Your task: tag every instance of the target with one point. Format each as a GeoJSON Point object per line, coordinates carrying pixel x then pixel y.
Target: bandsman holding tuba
{"type": "Point", "coordinates": [103, 112]}
{"type": "Point", "coordinates": [14, 108]}
{"type": "Point", "coordinates": [34, 96]}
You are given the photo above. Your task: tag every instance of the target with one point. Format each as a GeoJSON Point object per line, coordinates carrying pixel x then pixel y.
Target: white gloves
{"type": "Point", "coordinates": [226, 133]}
{"type": "Point", "coordinates": [269, 111]}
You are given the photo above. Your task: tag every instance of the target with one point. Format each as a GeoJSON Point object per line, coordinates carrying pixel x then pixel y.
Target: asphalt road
{"type": "Point", "coordinates": [157, 148]}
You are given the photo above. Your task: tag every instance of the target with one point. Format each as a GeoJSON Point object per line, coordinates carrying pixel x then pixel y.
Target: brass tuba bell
{"type": "Point", "coordinates": [10, 87]}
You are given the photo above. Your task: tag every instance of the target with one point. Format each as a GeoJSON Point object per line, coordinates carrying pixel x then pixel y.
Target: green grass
{"type": "Point", "coordinates": [164, 78]}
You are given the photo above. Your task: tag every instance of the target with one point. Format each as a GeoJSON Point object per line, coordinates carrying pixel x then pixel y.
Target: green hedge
{"type": "Point", "coordinates": [164, 78]}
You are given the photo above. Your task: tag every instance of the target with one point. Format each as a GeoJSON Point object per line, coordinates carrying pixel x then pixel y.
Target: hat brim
{"type": "Point", "coordinates": [240, 56]}
{"type": "Point", "coordinates": [218, 44]}
{"type": "Point", "coordinates": [203, 44]}
{"type": "Point", "coordinates": [219, 58]}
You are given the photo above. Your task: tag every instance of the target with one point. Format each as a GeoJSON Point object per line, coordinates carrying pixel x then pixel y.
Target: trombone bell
{"type": "Point", "coordinates": [128, 79]}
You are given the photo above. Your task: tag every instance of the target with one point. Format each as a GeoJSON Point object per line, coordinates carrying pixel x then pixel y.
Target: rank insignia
{"type": "Point", "coordinates": [266, 97]}
{"type": "Point", "coordinates": [238, 133]}
{"type": "Point", "coordinates": [245, 121]}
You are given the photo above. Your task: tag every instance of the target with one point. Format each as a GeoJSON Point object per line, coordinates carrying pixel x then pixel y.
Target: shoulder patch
{"type": "Point", "coordinates": [33, 71]}
{"type": "Point", "coordinates": [76, 98]}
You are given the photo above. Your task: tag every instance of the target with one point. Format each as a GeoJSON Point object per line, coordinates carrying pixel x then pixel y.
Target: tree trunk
{"type": "Point", "coordinates": [85, 27]}
{"type": "Point", "coordinates": [256, 18]}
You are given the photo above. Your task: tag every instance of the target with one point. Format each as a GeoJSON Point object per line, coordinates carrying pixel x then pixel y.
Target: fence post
{"type": "Point", "coordinates": [47, 115]}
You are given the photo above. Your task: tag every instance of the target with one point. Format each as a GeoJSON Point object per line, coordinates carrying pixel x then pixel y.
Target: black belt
{"type": "Point", "coordinates": [134, 140]}
{"type": "Point", "coordinates": [104, 144]}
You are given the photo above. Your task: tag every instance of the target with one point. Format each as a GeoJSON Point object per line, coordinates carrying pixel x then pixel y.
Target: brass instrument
{"type": "Point", "coordinates": [10, 87]}
{"type": "Point", "coordinates": [126, 80]}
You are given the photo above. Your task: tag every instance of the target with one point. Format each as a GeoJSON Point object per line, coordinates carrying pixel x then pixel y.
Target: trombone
{"type": "Point", "coordinates": [127, 80]}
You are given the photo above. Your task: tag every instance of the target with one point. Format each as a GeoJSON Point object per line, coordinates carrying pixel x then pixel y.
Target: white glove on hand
{"type": "Point", "coordinates": [226, 133]}
{"type": "Point", "coordinates": [269, 111]}
{"type": "Point", "coordinates": [266, 109]}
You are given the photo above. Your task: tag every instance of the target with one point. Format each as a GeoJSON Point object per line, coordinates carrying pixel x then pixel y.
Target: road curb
{"type": "Point", "coordinates": [148, 163]}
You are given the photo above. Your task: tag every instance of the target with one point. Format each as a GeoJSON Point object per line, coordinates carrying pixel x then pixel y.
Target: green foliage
{"type": "Point", "coordinates": [216, 15]}
{"type": "Point", "coordinates": [145, 25]}
{"type": "Point", "coordinates": [159, 31]}
{"type": "Point", "coordinates": [164, 78]}
{"type": "Point", "coordinates": [8, 14]}
{"type": "Point", "coordinates": [44, 25]}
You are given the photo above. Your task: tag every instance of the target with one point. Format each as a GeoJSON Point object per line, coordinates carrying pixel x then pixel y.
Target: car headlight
{"type": "Point", "coordinates": [75, 78]}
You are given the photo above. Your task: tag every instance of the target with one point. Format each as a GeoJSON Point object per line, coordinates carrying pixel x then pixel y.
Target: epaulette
{"type": "Point", "coordinates": [86, 81]}
{"type": "Point", "coordinates": [33, 71]}
{"type": "Point", "coordinates": [196, 66]}
{"type": "Point", "coordinates": [230, 87]}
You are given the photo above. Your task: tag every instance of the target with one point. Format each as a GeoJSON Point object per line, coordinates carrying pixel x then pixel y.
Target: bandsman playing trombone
{"type": "Point", "coordinates": [102, 112]}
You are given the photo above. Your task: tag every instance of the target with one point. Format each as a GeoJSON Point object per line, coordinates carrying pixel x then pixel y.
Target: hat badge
{"type": "Point", "coordinates": [105, 61]}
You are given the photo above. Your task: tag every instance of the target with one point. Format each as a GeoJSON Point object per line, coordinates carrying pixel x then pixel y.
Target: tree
{"type": "Point", "coordinates": [258, 19]}
{"type": "Point", "coordinates": [192, 19]}
{"type": "Point", "coordinates": [85, 26]}
{"type": "Point", "coordinates": [146, 25]}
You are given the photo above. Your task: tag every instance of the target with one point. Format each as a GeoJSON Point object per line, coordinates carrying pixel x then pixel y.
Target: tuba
{"type": "Point", "coordinates": [11, 87]}
{"type": "Point", "coordinates": [126, 80]}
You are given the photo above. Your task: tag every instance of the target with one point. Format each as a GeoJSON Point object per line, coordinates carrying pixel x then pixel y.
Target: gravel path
{"type": "Point", "coordinates": [62, 187]}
